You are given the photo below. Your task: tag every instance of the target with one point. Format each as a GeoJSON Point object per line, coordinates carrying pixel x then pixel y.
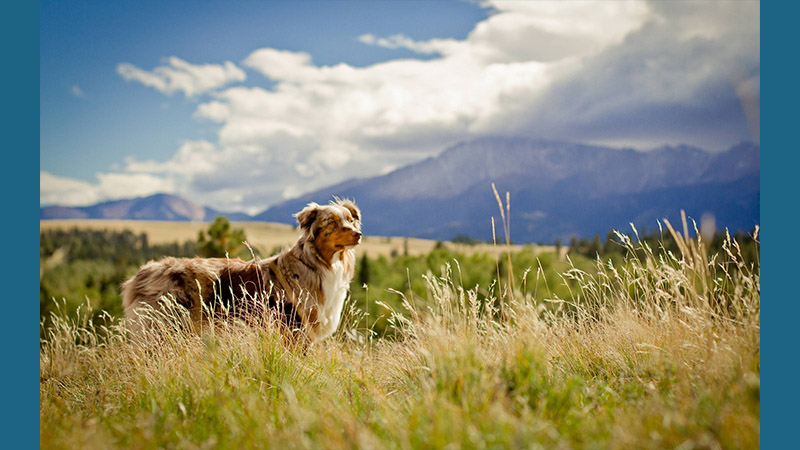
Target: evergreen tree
{"type": "Point", "coordinates": [221, 239]}
{"type": "Point", "coordinates": [610, 245]}
{"type": "Point", "coordinates": [573, 245]}
{"type": "Point", "coordinates": [595, 247]}
{"type": "Point", "coordinates": [363, 271]}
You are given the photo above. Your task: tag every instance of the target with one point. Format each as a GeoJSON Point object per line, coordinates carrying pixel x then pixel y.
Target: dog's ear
{"type": "Point", "coordinates": [351, 206]}
{"type": "Point", "coordinates": [307, 216]}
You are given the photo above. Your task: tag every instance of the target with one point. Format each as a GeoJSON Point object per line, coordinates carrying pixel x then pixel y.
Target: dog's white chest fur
{"type": "Point", "coordinates": [334, 287]}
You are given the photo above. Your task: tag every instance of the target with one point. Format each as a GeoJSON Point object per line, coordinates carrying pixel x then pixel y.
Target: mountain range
{"type": "Point", "coordinates": [154, 207]}
{"type": "Point", "coordinates": [557, 190]}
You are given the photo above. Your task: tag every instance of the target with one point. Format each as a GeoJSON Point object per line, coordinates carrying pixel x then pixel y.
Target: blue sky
{"type": "Point", "coordinates": [239, 105]}
{"type": "Point", "coordinates": [83, 42]}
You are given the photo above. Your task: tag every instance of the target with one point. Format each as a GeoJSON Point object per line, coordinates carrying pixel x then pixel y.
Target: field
{"type": "Point", "coordinates": [265, 236]}
{"type": "Point", "coordinates": [659, 349]}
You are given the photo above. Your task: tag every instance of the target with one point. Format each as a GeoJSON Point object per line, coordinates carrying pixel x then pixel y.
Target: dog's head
{"type": "Point", "coordinates": [334, 227]}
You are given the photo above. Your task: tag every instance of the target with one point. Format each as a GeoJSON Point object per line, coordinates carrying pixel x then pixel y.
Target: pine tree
{"type": "Point", "coordinates": [221, 240]}
{"type": "Point", "coordinates": [610, 246]}
{"type": "Point", "coordinates": [573, 245]}
{"type": "Point", "coordinates": [363, 271]}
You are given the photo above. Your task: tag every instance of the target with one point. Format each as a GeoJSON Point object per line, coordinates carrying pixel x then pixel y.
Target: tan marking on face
{"type": "Point", "coordinates": [337, 231]}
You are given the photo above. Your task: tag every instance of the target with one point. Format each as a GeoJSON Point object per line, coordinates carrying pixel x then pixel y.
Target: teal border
{"type": "Point", "coordinates": [779, 167]}
{"type": "Point", "coordinates": [19, 35]}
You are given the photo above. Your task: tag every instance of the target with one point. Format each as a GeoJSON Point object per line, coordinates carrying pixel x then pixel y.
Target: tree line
{"type": "Point", "coordinates": [612, 246]}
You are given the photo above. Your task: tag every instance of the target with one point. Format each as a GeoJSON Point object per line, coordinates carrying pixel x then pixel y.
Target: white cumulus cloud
{"type": "Point", "coordinates": [622, 72]}
{"type": "Point", "coordinates": [178, 75]}
{"type": "Point", "coordinates": [56, 190]}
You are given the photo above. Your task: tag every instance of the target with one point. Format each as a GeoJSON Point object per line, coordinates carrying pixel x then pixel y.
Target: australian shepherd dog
{"type": "Point", "coordinates": [304, 286]}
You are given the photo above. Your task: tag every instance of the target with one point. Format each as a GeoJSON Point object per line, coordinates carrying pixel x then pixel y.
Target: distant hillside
{"type": "Point", "coordinates": [154, 207]}
{"type": "Point", "coordinates": [558, 190]}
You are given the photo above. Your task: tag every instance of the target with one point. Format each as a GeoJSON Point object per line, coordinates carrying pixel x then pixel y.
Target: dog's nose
{"type": "Point", "coordinates": [356, 235]}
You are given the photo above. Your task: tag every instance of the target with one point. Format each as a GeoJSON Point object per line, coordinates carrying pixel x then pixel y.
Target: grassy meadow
{"type": "Point", "coordinates": [511, 347]}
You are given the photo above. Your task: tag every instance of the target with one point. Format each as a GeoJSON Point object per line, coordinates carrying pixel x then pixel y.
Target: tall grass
{"type": "Point", "coordinates": [661, 351]}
